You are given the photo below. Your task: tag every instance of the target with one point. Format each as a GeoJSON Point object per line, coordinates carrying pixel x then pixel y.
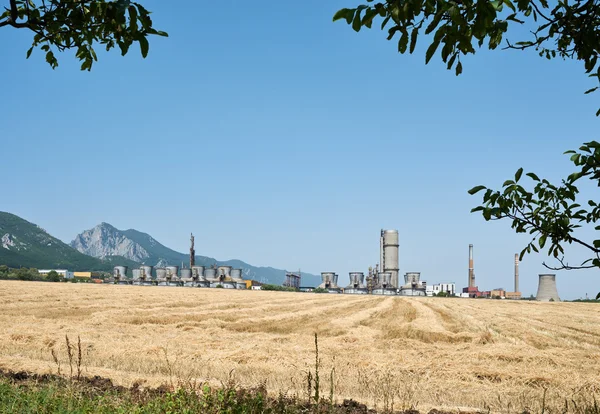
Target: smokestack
{"type": "Point", "coordinates": [471, 269]}
{"type": "Point", "coordinates": [547, 289]}
{"type": "Point", "coordinates": [516, 272]}
{"type": "Point", "coordinates": [192, 252]}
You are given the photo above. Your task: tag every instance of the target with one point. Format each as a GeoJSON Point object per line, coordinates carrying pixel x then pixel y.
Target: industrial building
{"type": "Point", "coordinates": [61, 272]}
{"type": "Point", "coordinates": [214, 276]}
{"type": "Point", "coordinates": [448, 288]}
{"type": "Point", "coordinates": [292, 280]}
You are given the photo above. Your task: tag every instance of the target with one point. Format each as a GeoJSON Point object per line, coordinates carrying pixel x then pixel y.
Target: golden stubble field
{"type": "Point", "coordinates": [428, 352]}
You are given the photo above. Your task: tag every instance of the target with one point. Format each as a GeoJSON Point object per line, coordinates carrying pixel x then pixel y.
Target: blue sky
{"type": "Point", "coordinates": [283, 139]}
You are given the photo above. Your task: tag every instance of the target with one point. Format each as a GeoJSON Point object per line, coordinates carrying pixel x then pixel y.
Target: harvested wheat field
{"type": "Point", "coordinates": [423, 352]}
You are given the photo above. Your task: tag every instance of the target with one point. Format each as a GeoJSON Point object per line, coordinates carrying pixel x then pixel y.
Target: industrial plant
{"type": "Point", "coordinates": [214, 276]}
{"type": "Point", "coordinates": [381, 279]}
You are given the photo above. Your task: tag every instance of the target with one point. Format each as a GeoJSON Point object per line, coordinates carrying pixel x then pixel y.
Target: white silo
{"type": "Point", "coordinates": [389, 254]}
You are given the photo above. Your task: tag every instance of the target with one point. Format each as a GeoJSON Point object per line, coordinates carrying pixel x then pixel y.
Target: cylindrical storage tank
{"type": "Point", "coordinates": [547, 291]}
{"type": "Point", "coordinates": [412, 277]}
{"type": "Point", "coordinates": [137, 273]}
{"type": "Point", "coordinates": [120, 272]}
{"type": "Point", "coordinates": [390, 254]}
{"type": "Point", "coordinates": [198, 272]}
{"type": "Point", "coordinates": [161, 273]}
{"type": "Point", "coordinates": [335, 279]}
{"type": "Point", "coordinates": [186, 273]}
{"type": "Point", "coordinates": [210, 273]}
{"type": "Point", "coordinates": [236, 273]}
{"type": "Point", "coordinates": [224, 271]}
{"type": "Point", "coordinates": [172, 271]}
{"type": "Point", "coordinates": [146, 272]}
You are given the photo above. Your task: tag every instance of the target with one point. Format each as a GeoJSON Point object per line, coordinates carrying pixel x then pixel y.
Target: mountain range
{"type": "Point", "coordinates": [26, 244]}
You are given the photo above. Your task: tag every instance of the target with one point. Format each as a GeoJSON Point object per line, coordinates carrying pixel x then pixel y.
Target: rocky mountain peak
{"type": "Point", "coordinates": [105, 240]}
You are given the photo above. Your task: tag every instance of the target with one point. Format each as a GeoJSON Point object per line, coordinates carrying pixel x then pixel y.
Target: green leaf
{"type": "Point", "coordinates": [356, 22]}
{"type": "Point", "coordinates": [542, 241]}
{"type": "Point", "coordinates": [413, 39]}
{"type": "Point", "coordinates": [591, 90]}
{"type": "Point", "coordinates": [343, 14]}
{"type": "Point", "coordinates": [533, 176]}
{"type": "Point", "coordinates": [476, 189]}
{"type": "Point", "coordinates": [458, 68]}
{"type": "Point", "coordinates": [144, 45]}
{"type": "Point", "coordinates": [29, 52]}
{"type": "Point", "coordinates": [403, 42]}
{"type": "Point", "coordinates": [518, 175]}
{"type": "Point", "coordinates": [507, 183]}
{"type": "Point", "coordinates": [431, 50]}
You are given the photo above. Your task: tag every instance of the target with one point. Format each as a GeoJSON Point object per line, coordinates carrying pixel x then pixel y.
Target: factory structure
{"type": "Point", "coordinates": [381, 279]}
{"type": "Point", "coordinates": [214, 276]}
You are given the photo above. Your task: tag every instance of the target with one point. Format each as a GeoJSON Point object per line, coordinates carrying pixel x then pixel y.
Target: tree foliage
{"type": "Point", "coordinates": [550, 213]}
{"type": "Point", "coordinates": [570, 30]}
{"type": "Point", "coordinates": [59, 25]}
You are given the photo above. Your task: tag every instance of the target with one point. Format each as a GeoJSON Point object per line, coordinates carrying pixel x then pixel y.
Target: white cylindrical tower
{"type": "Point", "coordinates": [390, 255]}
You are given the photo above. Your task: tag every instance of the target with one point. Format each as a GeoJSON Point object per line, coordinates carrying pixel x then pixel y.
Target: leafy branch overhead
{"type": "Point", "coordinates": [59, 25]}
{"type": "Point", "coordinates": [550, 213]}
{"type": "Point", "coordinates": [565, 29]}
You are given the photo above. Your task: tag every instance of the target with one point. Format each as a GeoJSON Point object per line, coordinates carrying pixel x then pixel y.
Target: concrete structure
{"type": "Point", "coordinates": [328, 280]}
{"type": "Point", "coordinates": [357, 284]}
{"type": "Point", "coordinates": [384, 285]}
{"type": "Point", "coordinates": [146, 272]}
{"type": "Point", "coordinates": [83, 275]}
{"type": "Point", "coordinates": [547, 289]}
{"type": "Point", "coordinates": [389, 247]}
{"type": "Point", "coordinates": [292, 280]}
{"type": "Point", "coordinates": [120, 274]}
{"type": "Point", "coordinates": [413, 286]}
{"type": "Point", "coordinates": [471, 268]}
{"type": "Point", "coordinates": [513, 295]}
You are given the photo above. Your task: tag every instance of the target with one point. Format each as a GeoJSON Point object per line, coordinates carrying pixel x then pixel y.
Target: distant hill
{"type": "Point", "coordinates": [25, 244]}
{"type": "Point", "coordinates": [104, 241]}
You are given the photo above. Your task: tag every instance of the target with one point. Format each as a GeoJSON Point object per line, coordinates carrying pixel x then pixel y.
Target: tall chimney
{"type": "Point", "coordinates": [192, 252]}
{"type": "Point", "coordinates": [516, 272]}
{"type": "Point", "coordinates": [471, 270]}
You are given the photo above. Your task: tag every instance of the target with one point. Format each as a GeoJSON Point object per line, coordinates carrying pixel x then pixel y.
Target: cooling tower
{"type": "Point", "coordinates": [236, 274]}
{"type": "Point", "coordinates": [161, 273]}
{"type": "Point", "coordinates": [186, 273]}
{"type": "Point", "coordinates": [146, 272]}
{"type": "Point", "coordinates": [120, 272]}
{"type": "Point", "coordinates": [172, 271]}
{"type": "Point", "coordinates": [198, 272]}
{"type": "Point", "coordinates": [390, 245]}
{"type": "Point", "coordinates": [328, 280]}
{"type": "Point", "coordinates": [547, 289]}
{"type": "Point", "coordinates": [137, 273]}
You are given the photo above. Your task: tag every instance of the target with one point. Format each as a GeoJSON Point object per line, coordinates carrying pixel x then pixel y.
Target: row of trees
{"type": "Point", "coordinates": [30, 274]}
